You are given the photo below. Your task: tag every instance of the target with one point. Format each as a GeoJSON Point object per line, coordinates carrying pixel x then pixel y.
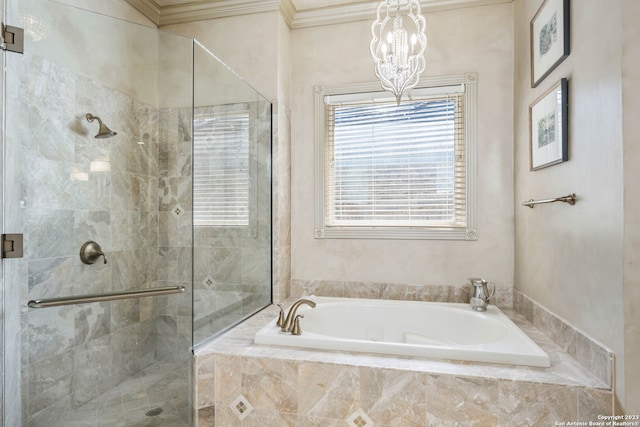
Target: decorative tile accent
{"type": "Point", "coordinates": [208, 282]}
{"type": "Point", "coordinates": [359, 419]}
{"type": "Point", "coordinates": [241, 407]}
{"type": "Point", "coordinates": [177, 210]}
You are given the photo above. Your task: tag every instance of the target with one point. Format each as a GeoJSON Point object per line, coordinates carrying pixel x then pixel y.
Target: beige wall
{"type": "Point", "coordinates": [248, 44]}
{"type": "Point", "coordinates": [476, 39]}
{"type": "Point", "coordinates": [569, 259]}
{"type": "Point", "coordinates": [631, 134]}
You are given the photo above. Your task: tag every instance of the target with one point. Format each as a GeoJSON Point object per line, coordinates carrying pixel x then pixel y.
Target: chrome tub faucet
{"type": "Point", "coordinates": [286, 323]}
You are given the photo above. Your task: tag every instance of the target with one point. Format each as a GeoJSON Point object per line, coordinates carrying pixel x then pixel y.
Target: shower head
{"type": "Point", "coordinates": [104, 131]}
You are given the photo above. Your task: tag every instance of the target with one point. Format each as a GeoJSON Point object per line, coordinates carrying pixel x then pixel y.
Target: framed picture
{"type": "Point", "coordinates": [548, 130]}
{"type": "Point", "coordinates": [549, 38]}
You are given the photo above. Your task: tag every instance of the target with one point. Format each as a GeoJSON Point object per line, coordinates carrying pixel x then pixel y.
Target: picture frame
{"type": "Point", "coordinates": [548, 127]}
{"type": "Point", "coordinates": [549, 38]}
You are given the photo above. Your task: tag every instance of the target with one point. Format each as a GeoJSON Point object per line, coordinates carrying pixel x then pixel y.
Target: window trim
{"type": "Point", "coordinates": [469, 232]}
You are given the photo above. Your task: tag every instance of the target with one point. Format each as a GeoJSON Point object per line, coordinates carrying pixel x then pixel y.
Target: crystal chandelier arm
{"type": "Point", "coordinates": [397, 65]}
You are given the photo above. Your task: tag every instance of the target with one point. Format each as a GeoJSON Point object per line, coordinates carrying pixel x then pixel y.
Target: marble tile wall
{"type": "Point", "coordinates": [73, 354]}
{"type": "Point", "coordinates": [174, 232]}
{"type": "Point", "coordinates": [232, 265]}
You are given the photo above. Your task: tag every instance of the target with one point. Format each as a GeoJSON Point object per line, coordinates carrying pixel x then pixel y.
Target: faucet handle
{"type": "Point", "coordinates": [280, 320]}
{"type": "Point", "coordinates": [90, 252]}
{"type": "Point", "coordinates": [296, 325]}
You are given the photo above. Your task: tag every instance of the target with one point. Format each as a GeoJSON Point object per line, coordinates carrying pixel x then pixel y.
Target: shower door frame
{"type": "Point", "coordinates": [15, 295]}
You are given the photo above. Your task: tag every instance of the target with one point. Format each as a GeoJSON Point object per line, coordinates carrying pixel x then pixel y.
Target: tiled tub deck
{"type": "Point", "coordinates": [239, 383]}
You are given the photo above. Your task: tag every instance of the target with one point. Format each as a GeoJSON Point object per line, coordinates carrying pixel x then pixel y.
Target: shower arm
{"type": "Point", "coordinates": [90, 118]}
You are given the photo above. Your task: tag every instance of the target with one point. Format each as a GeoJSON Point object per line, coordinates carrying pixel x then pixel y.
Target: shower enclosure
{"type": "Point", "coordinates": [165, 224]}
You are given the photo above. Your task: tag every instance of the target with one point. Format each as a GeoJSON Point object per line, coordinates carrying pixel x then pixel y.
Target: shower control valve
{"type": "Point", "coordinates": [90, 252]}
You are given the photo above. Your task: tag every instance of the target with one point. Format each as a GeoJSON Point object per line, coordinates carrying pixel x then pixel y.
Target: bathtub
{"type": "Point", "coordinates": [409, 328]}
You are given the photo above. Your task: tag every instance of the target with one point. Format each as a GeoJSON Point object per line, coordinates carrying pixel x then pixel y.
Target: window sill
{"type": "Point", "coordinates": [398, 233]}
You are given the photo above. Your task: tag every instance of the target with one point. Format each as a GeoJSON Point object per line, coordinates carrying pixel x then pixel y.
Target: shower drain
{"type": "Point", "coordinates": [153, 412]}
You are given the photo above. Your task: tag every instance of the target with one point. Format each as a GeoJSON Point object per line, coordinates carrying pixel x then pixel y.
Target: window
{"type": "Point", "coordinates": [221, 166]}
{"type": "Point", "coordinates": [385, 170]}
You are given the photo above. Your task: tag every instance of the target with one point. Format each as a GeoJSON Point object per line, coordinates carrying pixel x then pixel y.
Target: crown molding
{"type": "Point", "coordinates": [366, 10]}
{"type": "Point", "coordinates": [209, 9]}
{"type": "Point", "coordinates": [204, 10]}
{"type": "Point", "coordinates": [214, 9]}
{"type": "Point", "coordinates": [148, 8]}
{"type": "Point", "coordinates": [288, 10]}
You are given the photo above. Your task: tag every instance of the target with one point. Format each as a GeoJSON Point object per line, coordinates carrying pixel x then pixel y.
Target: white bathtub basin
{"type": "Point", "coordinates": [410, 328]}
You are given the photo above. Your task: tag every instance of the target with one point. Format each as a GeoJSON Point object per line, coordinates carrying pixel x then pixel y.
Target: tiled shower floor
{"type": "Point", "coordinates": [137, 401]}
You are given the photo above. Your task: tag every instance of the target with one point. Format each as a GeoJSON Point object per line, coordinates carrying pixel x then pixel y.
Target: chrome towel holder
{"type": "Point", "coordinates": [571, 199]}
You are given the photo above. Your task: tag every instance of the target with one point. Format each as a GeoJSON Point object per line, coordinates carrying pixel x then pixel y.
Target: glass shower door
{"type": "Point", "coordinates": [74, 194]}
{"type": "Point", "coordinates": [231, 198]}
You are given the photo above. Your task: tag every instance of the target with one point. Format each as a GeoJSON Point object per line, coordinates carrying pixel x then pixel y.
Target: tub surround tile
{"type": "Point", "coordinates": [596, 358]}
{"type": "Point", "coordinates": [239, 341]}
{"type": "Point", "coordinates": [305, 421]}
{"type": "Point", "coordinates": [260, 418]}
{"type": "Point", "coordinates": [360, 419]}
{"type": "Point", "coordinates": [503, 297]}
{"type": "Point", "coordinates": [393, 398]}
{"type": "Point", "coordinates": [394, 291]}
{"type": "Point", "coordinates": [536, 404]}
{"type": "Point", "coordinates": [228, 378]}
{"type": "Point", "coordinates": [271, 384]}
{"type": "Point", "coordinates": [443, 293]}
{"type": "Point", "coordinates": [301, 288]}
{"type": "Point", "coordinates": [392, 391]}
{"type": "Point", "coordinates": [241, 407]}
{"type": "Point", "coordinates": [462, 401]}
{"type": "Point", "coordinates": [592, 403]}
{"type": "Point", "coordinates": [398, 292]}
{"type": "Point", "coordinates": [206, 416]}
{"type": "Point", "coordinates": [224, 417]}
{"type": "Point", "coordinates": [589, 353]}
{"type": "Point", "coordinates": [330, 391]}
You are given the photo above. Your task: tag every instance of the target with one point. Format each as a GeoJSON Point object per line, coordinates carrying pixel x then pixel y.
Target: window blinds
{"type": "Point", "coordinates": [396, 165]}
{"type": "Point", "coordinates": [221, 168]}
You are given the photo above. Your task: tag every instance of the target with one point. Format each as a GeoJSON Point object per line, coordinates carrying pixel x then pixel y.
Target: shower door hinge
{"type": "Point", "coordinates": [12, 39]}
{"type": "Point", "coordinates": [12, 246]}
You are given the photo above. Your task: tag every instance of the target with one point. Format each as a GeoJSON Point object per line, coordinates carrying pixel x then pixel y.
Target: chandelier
{"type": "Point", "coordinates": [397, 45]}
